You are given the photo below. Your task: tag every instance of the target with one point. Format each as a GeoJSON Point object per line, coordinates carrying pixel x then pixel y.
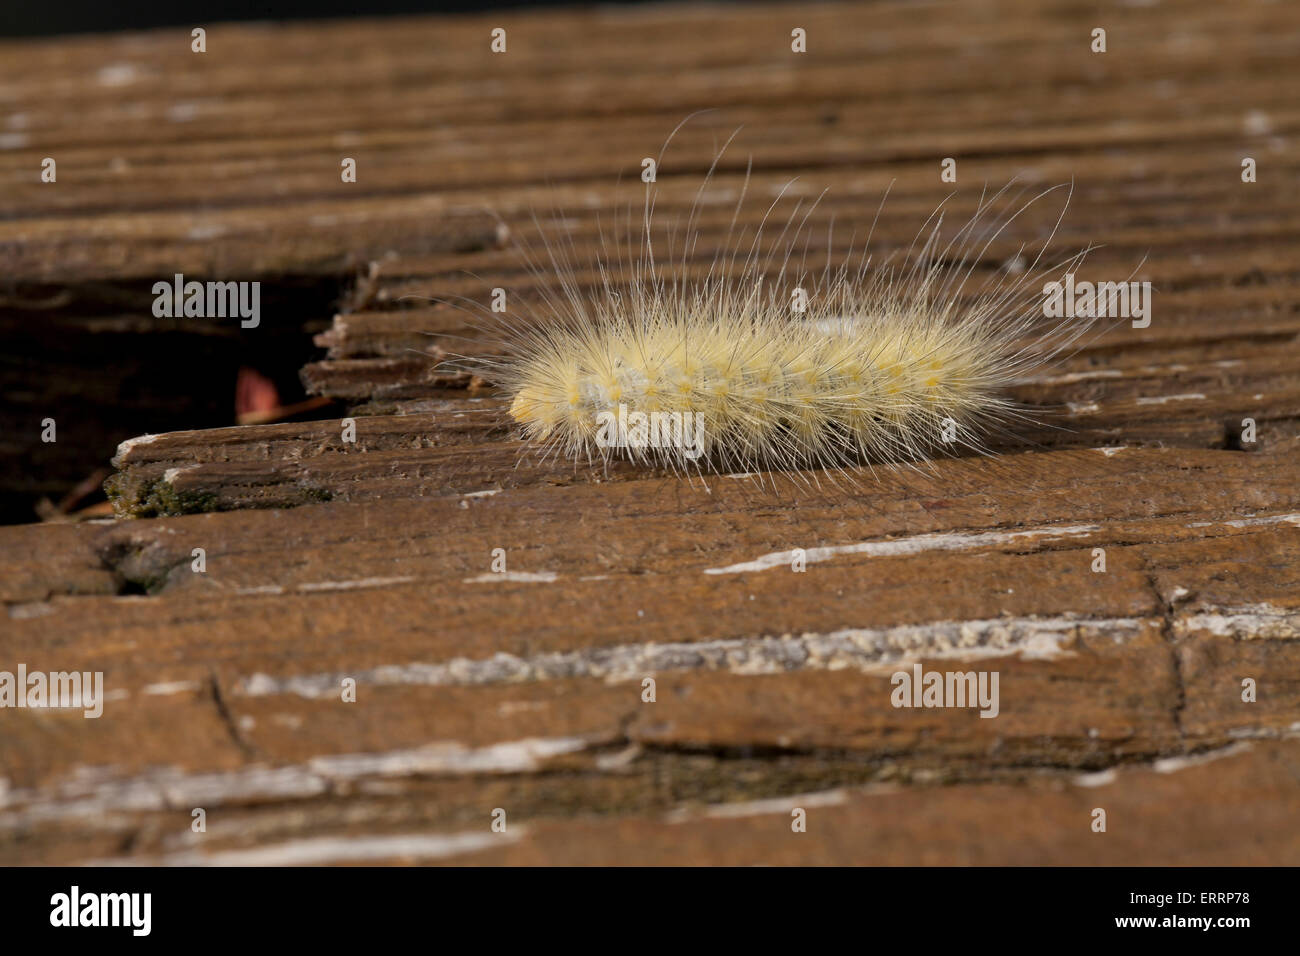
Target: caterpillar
{"type": "Point", "coordinates": [763, 364]}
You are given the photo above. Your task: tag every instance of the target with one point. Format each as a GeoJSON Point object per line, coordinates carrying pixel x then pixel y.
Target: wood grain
{"type": "Point", "coordinates": [327, 560]}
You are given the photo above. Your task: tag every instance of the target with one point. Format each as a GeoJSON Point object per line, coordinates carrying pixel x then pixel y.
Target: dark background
{"type": "Point", "coordinates": [42, 17]}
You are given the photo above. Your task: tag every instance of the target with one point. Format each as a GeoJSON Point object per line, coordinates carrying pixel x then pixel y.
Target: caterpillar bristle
{"type": "Point", "coordinates": [755, 362]}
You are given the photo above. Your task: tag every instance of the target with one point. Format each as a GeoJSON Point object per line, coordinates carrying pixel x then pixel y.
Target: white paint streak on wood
{"type": "Point", "coordinates": [522, 577]}
{"type": "Point", "coordinates": [871, 650]}
{"type": "Point", "coordinates": [1266, 733]}
{"type": "Point", "coordinates": [1070, 378]}
{"type": "Point", "coordinates": [95, 794]}
{"type": "Point", "coordinates": [1100, 779]}
{"type": "Point", "coordinates": [515, 756]}
{"type": "Point", "coordinates": [29, 610]}
{"type": "Point", "coordinates": [353, 585]}
{"type": "Point", "coordinates": [780, 805]}
{"type": "Point", "coordinates": [1248, 622]}
{"type": "Point", "coordinates": [171, 687]}
{"type": "Point", "coordinates": [1293, 518]}
{"type": "Point", "coordinates": [1162, 399]}
{"type": "Point", "coordinates": [321, 851]}
{"type": "Point", "coordinates": [917, 544]}
{"type": "Point", "coordinates": [1172, 764]}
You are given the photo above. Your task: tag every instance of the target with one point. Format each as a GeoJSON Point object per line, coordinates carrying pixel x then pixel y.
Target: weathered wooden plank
{"type": "Point", "coordinates": [372, 560]}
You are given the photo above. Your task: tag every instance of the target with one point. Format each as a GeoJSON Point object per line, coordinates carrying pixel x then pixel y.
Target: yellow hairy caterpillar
{"type": "Point", "coordinates": [752, 362]}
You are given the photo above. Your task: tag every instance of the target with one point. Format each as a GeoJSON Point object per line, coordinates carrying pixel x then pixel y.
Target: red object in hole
{"type": "Point", "coordinates": [254, 392]}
